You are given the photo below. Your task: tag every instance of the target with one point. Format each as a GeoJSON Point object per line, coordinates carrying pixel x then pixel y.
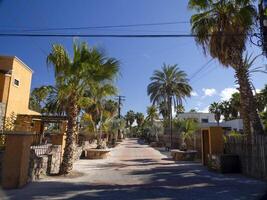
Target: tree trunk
{"type": "Point", "coordinates": [68, 156]}
{"type": "Point", "coordinates": [248, 109]}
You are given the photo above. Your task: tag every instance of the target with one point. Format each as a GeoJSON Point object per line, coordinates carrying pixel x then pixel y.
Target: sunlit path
{"type": "Point", "coordinates": [136, 171]}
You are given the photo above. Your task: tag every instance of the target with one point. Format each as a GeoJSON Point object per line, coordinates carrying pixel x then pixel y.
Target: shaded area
{"type": "Point", "coordinates": [142, 173]}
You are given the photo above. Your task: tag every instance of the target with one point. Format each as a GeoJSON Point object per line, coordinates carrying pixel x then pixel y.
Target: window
{"type": "Point", "coordinates": [205, 120]}
{"type": "Point", "coordinates": [16, 82]}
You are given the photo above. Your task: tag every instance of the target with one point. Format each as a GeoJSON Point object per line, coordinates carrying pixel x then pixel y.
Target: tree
{"type": "Point", "coordinates": [38, 98]}
{"type": "Point", "coordinates": [261, 99]}
{"type": "Point", "coordinates": [216, 109]}
{"type": "Point", "coordinates": [235, 105]}
{"type": "Point", "coordinates": [188, 129]}
{"type": "Point", "coordinates": [180, 109]}
{"type": "Point", "coordinates": [74, 76]}
{"type": "Point", "coordinates": [99, 107]}
{"type": "Point", "coordinates": [226, 110]}
{"type": "Point", "coordinates": [193, 111]}
{"type": "Point", "coordinates": [130, 117]}
{"type": "Point", "coordinates": [222, 28]}
{"type": "Point", "coordinates": [139, 119]}
{"type": "Point", "coordinates": [169, 85]}
{"type": "Point", "coordinates": [152, 113]}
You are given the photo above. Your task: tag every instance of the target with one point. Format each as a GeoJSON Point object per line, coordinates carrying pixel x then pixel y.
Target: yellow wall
{"type": "Point", "coordinates": [18, 98]}
{"type": "Point", "coordinates": [4, 87]}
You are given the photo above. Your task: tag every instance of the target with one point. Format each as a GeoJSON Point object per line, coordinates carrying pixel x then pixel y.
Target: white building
{"type": "Point", "coordinates": [208, 119]}
{"type": "Point", "coordinates": [205, 119]}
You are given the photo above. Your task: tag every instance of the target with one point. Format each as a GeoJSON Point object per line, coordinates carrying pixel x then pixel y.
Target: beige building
{"type": "Point", "coordinates": [15, 87]}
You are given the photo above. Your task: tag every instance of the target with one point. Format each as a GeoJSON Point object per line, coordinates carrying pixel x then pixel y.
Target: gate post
{"type": "Point", "coordinates": [16, 160]}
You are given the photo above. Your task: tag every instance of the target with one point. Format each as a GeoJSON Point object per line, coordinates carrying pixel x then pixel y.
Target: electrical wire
{"type": "Point", "coordinates": [103, 27]}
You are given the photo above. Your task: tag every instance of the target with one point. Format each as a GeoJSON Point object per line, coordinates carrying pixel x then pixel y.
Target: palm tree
{"type": "Point", "coordinates": [74, 76]}
{"type": "Point", "coordinates": [130, 117]}
{"type": "Point", "coordinates": [222, 28]}
{"type": "Point", "coordinates": [216, 109]}
{"type": "Point", "coordinates": [169, 87]}
{"type": "Point", "coordinates": [188, 128]}
{"type": "Point", "coordinates": [235, 105]}
{"type": "Point", "coordinates": [226, 110]}
{"type": "Point", "coordinates": [152, 113]}
{"type": "Point", "coordinates": [139, 119]}
{"type": "Point", "coordinates": [98, 105]}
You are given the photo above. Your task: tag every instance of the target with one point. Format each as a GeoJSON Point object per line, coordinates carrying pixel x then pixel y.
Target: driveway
{"type": "Point", "coordinates": [136, 171]}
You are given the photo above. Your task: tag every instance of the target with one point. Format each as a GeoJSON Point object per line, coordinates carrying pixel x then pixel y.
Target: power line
{"type": "Point", "coordinates": [105, 26]}
{"type": "Point", "coordinates": [201, 69]}
{"type": "Point", "coordinates": [105, 35]}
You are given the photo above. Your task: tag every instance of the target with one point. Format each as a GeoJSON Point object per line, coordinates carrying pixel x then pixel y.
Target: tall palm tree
{"type": "Point", "coordinates": [222, 28]}
{"type": "Point", "coordinates": [74, 76]}
{"type": "Point", "coordinates": [216, 109]}
{"type": "Point", "coordinates": [169, 86]}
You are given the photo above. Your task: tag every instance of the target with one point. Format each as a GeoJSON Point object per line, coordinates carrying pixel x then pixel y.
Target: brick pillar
{"type": "Point", "coordinates": [16, 160]}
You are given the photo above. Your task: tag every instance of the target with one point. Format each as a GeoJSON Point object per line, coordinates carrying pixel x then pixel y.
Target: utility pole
{"type": "Point", "coordinates": [120, 99]}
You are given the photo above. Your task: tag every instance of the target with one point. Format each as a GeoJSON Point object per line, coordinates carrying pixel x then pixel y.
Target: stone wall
{"type": "Point", "coordinates": [37, 166]}
{"type": "Point", "coordinates": [78, 152]}
{"type": "Point", "coordinates": [54, 159]}
{"type": "Point", "coordinates": [44, 164]}
{"type": "Point", "coordinates": [49, 162]}
{"type": "Point", "coordinates": [2, 114]}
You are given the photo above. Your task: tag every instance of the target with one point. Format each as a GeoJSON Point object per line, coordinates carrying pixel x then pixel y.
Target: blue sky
{"type": "Point", "coordinates": [138, 57]}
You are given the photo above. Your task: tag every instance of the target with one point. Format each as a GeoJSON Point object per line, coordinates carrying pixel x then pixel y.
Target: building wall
{"type": "Point", "coordinates": [18, 96]}
{"type": "Point", "coordinates": [2, 114]}
{"type": "Point", "coordinates": [4, 87]}
{"type": "Point", "coordinates": [198, 116]}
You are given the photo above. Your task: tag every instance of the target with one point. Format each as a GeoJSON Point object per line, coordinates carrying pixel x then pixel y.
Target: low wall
{"type": "Point", "coordinates": [37, 166]}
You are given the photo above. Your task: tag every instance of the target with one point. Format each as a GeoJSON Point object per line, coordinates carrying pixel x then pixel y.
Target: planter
{"type": "Point", "coordinates": [225, 163]}
{"type": "Point", "coordinates": [96, 153]}
{"type": "Point", "coordinates": [179, 155]}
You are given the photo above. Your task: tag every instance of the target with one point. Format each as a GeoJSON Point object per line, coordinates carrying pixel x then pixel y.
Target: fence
{"type": "Point", "coordinates": [41, 149]}
{"type": "Point", "coordinates": [253, 154]}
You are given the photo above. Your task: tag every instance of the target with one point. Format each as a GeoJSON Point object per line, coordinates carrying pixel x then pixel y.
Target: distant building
{"type": "Point", "coordinates": [233, 125]}
{"type": "Point", "coordinates": [203, 118]}
{"type": "Point", "coordinates": [15, 87]}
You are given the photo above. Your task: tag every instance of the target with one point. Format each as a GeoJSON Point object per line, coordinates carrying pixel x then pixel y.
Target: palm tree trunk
{"type": "Point", "coordinates": [67, 162]}
{"type": "Point", "coordinates": [248, 109]}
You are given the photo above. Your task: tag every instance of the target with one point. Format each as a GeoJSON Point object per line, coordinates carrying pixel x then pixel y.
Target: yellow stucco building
{"type": "Point", "coordinates": [15, 87]}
